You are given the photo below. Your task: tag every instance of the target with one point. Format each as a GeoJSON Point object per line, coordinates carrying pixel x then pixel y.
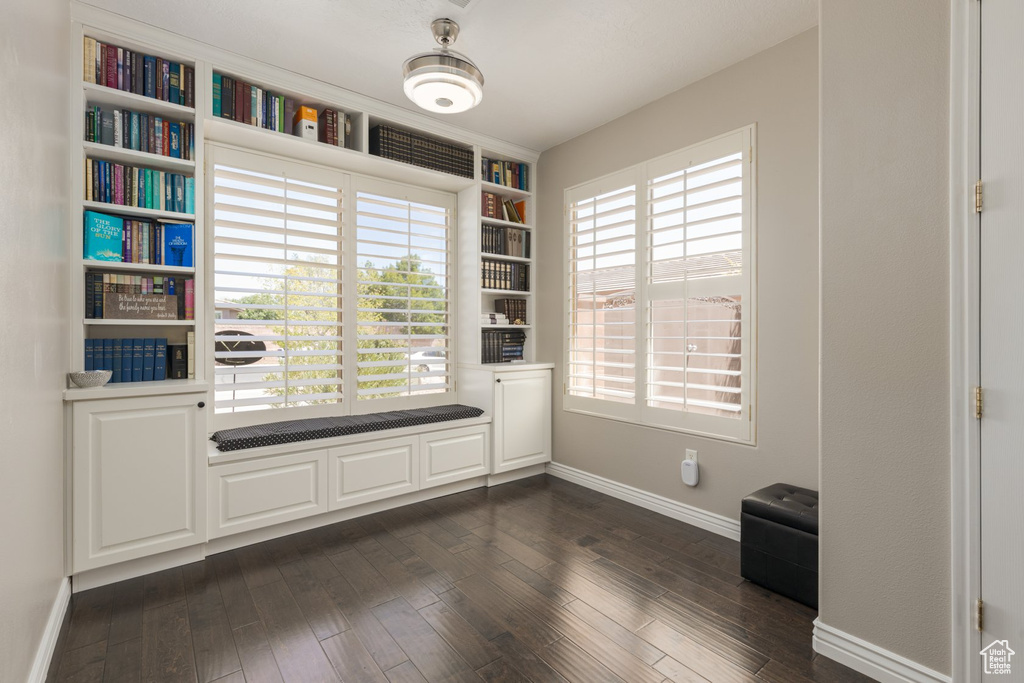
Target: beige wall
{"type": "Point", "coordinates": [33, 335]}
{"type": "Point", "coordinates": [778, 90]}
{"type": "Point", "coordinates": [884, 329]}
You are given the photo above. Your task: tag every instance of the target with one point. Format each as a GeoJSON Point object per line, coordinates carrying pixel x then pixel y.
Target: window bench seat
{"type": "Point", "coordinates": [306, 468]}
{"type": "Point", "coordinates": [289, 431]}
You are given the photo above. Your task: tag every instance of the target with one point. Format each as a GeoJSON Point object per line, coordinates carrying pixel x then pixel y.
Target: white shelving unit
{"type": "Point", "coordinates": [477, 299]}
{"type": "Point", "coordinates": [108, 424]}
{"type": "Point", "coordinates": [83, 96]}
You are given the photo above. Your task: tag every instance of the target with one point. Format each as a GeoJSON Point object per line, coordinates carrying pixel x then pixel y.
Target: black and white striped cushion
{"type": "Point", "coordinates": [273, 433]}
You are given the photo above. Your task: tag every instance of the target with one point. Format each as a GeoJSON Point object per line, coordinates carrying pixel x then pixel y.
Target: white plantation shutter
{"type": "Point", "coordinates": [404, 315]}
{"type": "Point", "coordinates": [277, 272]}
{"type": "Point", "coordinates": [601, 362]}
{"type": "Point", "coordinates": [691, 326]}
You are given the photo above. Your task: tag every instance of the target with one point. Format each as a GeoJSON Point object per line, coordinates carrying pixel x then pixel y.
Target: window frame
{"type": "Point", "coordinates": [742, 429]}
{"type": "Point", "coordinates": [229, 155]}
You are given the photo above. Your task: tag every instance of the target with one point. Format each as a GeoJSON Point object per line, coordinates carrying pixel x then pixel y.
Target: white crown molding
{"type": "Point", "coordinates": [870, 659]}
{"type": "Point", "coordinates": [110, 25]}
{"type": "Point", "coordinates": [47, 644]}
{"type": "Point", "coordinates": [709, 521]}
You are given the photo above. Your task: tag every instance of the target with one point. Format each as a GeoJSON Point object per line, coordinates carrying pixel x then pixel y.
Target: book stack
{"type": "Point", "coordinates": [502, 346]}
{"type": "Point", "coordinates": [419, 150]}
{"type": "Point", "coordinates": [145, 188]}
{"type": "Point", "coordinates": [505, 241]}
{"type": "Point", "coordinates": [508, 173]}
{"type": "Point", "coordinates": [174, 297]}
{"type": "Point", "coordinates": [112, 238]}
{"type": "Point", "coordinates": [141, 132]}
{"type": "Point", "coordinates": [335, 127]}
{"type": "Point", "coordinates": [502, 275]}
{"type": "Point", "coordinates": [513, 309]}
{"type": "Point", "coordinates": [129, 360]}
{"type": "Point", "coordinates": [493, 206]}
{"type": "Point", "coordinates": [135, 72]}
{"type": "Point", "coordinates": [493, 319]}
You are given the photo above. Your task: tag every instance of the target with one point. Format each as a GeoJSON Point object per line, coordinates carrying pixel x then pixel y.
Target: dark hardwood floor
{"type": "Point", "coordinates": [537, 580]}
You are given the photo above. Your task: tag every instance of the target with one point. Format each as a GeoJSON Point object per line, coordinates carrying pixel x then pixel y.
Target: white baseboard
{"type": "Point", "coordinates": [709, 521]}
{"type": "Point", "coordinates": [48, 643]}
{"type": "Point", "coordinates": [870, 659]}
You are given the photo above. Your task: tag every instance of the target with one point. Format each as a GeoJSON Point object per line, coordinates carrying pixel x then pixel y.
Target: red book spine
{"type": "Point", "coordinates": [166, 148]}
{"type": "Point", "coordinates": [111, 63]}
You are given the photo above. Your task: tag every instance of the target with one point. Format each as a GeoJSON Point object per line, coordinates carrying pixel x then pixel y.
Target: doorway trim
{"type": "Point", "coordinates": [964, 334]}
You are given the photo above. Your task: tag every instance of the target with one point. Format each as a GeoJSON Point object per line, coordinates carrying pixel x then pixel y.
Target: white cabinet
{"type": "Point", "coordinates": [371, 471]}
{"type": "Point", "coordinates": [522, 419]}
{"type": "Point", "coordinates": [453, 455]}
{"type": "Point", "coordinates": [138, 477]}
{"type": "Point", "coordinates": [254, 494]}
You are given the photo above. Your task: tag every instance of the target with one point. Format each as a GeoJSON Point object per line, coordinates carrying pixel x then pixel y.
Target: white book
{"type": "Point", "coordinates": [190, 339]}
{"type": "Point", "coordinates": [118, 128]}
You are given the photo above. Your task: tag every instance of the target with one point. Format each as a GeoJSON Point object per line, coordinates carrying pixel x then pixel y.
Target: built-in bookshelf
{"type": "Point", "coordinates": [498, 239]}
{"type": "Point", "coordinates": [146, 123]}
{"type": "Point", "coordinates": [136, 193]}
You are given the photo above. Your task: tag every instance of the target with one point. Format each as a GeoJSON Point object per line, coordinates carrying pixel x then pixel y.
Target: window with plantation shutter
{"type": "Point", "coordinates": [277, 272]}
{"type": "Point", "coordinates": [331, 291]}
{"type": "Point", "coordinates": [601, 362]}
{"type": "Point", "coordinates": [686, 322]}
{"type": "Point", "coordinates": [403, 333]}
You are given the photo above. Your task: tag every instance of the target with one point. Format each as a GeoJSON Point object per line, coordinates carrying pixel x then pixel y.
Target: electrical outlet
{"type": "Point", "coordinates": [691, 454]}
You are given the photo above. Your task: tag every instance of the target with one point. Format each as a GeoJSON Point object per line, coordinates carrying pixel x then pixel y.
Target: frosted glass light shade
{"type": "Point", "coordinates": [443, 81]}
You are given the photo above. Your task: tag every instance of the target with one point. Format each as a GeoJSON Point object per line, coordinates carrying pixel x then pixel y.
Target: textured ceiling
{"type": "Point", "coordinates": [553, 68]}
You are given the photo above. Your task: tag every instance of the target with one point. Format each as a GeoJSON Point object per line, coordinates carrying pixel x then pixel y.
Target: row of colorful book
{"type": "Point", "coordinates": [138, 360]}
{"type": "Point", "coordinates": [502, 346]}
{"type": "Point", "coordinates": [99, 285]}
{"type": "Point", "coordinates": [136, 72]}
{"type": "Point", "coordinates": [419, 150]}
{"type": "Point", "coordinates": [134, 186]}
{"type": "Point", "coordinates": [493, 206]}
{"type": "Point", "coordinates": [508, 173]}
{"type": "Point", "coordinates": [141, 132]}
{"type": "Point", "coordinates": [502, 275]}
{"type": "Point", "coordinates": [504, 241]}
{"type": "Point", "coordinates": [127, 240]}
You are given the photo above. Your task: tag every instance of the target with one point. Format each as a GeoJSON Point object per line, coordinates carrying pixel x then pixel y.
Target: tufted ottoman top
{"type": "Point", "coordinates": [789, 505]}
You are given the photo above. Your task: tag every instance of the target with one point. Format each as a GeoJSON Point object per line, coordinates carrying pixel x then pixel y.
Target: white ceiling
{"type": "Point", "coordinates": [553, 68]}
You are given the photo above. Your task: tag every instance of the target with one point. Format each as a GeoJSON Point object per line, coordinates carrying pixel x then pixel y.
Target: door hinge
{"type": "Point", "coordinates": [979, 402]}
{"type": "Point", "coordinates": [979, 615]}
{"type": "Point", "coordinates": [977, 197]}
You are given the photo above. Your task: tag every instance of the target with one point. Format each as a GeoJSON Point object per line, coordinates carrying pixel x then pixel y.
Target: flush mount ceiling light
{"type": "Point", "coordinates": [443, 81]}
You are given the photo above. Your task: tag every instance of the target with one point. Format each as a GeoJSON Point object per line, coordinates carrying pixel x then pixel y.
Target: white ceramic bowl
{"type": "Point", "coordinates": [90, 378]}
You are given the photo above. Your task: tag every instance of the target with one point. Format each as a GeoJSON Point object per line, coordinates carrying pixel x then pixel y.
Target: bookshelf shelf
{"type": "Point", "coordinates": [503, 223]}
{"type": "Point", "coordinates": [137, 211]}
{"type": "Point", "coordinates": [128, 322]}
{"type": "Point", "coordinates": [283, 144]}
{"type": "Point", "coordinates": [506, 292]}
{"type": "Point", "coordinates": [506, 327]}
{"type": "Point", "coordinates": [90, 264]}
{"type": "Point", "coordinates": [503, 257]}
{"type": "Point", "coordinates": [95, 150]}
{"type": "Point", "coordinates": [135, 389]}
{"type": "Point", "coordinates": [102, 95]}
{"type": "Point", "coordinates": [504, 190]}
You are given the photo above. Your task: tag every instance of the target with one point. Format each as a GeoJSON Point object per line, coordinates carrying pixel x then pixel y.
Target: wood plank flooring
{"type": "Point", "coordinates": [537, 580]}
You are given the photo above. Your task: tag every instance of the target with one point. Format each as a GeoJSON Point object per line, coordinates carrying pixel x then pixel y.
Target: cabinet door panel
{"type": "Point", "coordinates": [256, 494]}
{"type": "Point", "coordinates": [522, 408]}
{"type": "Point", "coordinates": [366, 472]}
{"type": "Point", "coordinates": [453, 455]}
{"type": "Point", "coordinates": [138, 488]}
